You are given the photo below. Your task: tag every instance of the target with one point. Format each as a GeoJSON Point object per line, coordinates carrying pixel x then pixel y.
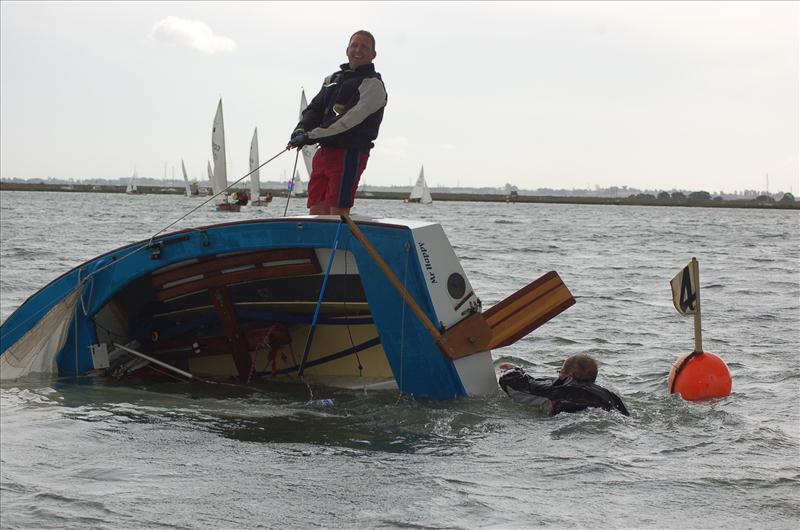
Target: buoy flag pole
{"type": "Point", "coordinates": [686, 298]}
{"type": "Point", "coordinates": [698, 329]}
{"type": "Point", "coordinates": [697, 375]}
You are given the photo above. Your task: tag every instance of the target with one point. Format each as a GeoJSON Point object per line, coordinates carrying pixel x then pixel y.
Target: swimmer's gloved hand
{"type": "Point", "coordinates": [515, 374]}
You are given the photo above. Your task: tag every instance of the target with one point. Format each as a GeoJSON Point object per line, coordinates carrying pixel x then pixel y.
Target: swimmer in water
{"type": "Point", "coordinates": [573, 390]}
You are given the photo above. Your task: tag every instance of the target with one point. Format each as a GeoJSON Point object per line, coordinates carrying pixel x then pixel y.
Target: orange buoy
{"type": "Point", "coordinates": [698, 376]}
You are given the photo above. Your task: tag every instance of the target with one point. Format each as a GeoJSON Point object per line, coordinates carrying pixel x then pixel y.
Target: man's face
{"type": "Point", "coordinates": [359, 51]}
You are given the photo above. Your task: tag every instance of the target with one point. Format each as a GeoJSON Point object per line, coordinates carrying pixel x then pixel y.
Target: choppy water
{"type": "Point", "coordinates": [90, 454]}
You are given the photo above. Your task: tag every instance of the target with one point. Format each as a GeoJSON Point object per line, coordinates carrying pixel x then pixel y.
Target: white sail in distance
{"type": "Point", "coordinates": [220, 178]}
{"type": "Point", "coordinates": [255, 184]}
{"type": "Point", "coordinates": [298, 188]}
{"type": "Point", "coordinates": [308, 150]}
{"type": "Point", "coordinates": [186, 179]}
{"type": "Point", "coordinates": [131, 188]}
{"type": "Point", "coordinates": [420, 193]}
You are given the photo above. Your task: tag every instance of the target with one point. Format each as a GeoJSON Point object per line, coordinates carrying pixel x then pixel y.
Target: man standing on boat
{"type": "Point", "coordinates": [343, 119]}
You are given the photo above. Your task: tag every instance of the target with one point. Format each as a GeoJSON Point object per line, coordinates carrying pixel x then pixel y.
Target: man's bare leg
{"type": "Point", "coordinates": [339, 211]}
{"type": "Point", "coordinates": [320, 208]}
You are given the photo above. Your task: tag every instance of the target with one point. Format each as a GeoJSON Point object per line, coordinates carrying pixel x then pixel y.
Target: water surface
{"type": "Point", "coordinates": [93, 453]}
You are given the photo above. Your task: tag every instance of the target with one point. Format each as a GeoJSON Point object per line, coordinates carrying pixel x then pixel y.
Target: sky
{"type": "Point", "coordinates": [649, 95]}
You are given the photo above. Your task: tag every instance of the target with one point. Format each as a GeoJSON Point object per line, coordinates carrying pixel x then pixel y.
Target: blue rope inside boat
{"type": "Point", "coordinates": [319, 301]}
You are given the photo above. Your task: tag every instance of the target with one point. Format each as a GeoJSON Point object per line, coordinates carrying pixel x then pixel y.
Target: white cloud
{"type": "Point", "coordinates": [193, 34]}
{"type": "Point", "coordinates": [397, 146]}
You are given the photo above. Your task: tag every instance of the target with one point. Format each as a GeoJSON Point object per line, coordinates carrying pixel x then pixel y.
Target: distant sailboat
{"type": "Point", "coordinates": [132, 183]}
{"type": "Point", "coordinates": [309, 150]}
{"type": "Point", "coordinates": [255, 184]}
{"type": "Point", "coordinates": [210, 178]}
{"type": "Point", "coordinates": [219, 181]}
{"type": "Point", "coordinates": [298, 188]}
{"type": "Point", "coordinates": [420, 193]}
{"type": "Point", "coordinates": [512, 193]}
{"type": "Point", "coordinates": [191, 189]}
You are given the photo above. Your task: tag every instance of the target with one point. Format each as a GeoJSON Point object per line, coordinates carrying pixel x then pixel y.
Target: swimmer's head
{"type": "Point", "coordinates": [579, 367]}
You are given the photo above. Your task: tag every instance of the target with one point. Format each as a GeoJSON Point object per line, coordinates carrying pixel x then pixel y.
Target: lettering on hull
{"type": "Point", "coordinates": [427, 262]}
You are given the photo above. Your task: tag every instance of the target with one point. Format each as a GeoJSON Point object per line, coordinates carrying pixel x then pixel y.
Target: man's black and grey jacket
{"type": "Point", "coordinates": [348, 110]}
{"type": "Point", "coordinates": [560, 395]}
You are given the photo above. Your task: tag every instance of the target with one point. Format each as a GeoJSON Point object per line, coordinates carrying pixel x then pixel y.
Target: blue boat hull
{"type": "Point", "coordinates": [241, 300]}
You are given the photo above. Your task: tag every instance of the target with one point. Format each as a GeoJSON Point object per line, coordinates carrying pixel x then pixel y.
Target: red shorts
{"type": "Point", "coordinates": [334, 176]}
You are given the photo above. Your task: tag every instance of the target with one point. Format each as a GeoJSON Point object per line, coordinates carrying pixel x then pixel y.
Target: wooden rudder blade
{"type": "Point", "coordinates": [527, 309]}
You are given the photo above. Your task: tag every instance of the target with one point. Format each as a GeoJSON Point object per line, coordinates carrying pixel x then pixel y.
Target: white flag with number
{"type": "Point", "coordinates": [684, 289]}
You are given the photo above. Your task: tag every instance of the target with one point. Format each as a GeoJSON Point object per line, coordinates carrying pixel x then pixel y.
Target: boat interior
{"type": "Point", "coordinates": [248, 316]}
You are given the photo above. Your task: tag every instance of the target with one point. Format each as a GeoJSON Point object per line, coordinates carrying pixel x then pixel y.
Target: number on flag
{"type": "Point", "coordinates": [684, 290]}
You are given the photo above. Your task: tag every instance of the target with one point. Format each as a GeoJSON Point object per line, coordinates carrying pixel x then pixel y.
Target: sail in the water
{"type": "Point", "coordinates": [255, 185]}
{"type": "Point", "coordinates": [219, 180]}
{"type": "Point", "coordinates": [308, 150]}
{"type": "Point", "coordinates": [420, 193]}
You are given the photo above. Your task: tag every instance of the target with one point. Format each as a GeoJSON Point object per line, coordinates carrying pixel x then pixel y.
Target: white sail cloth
{"type": "Point", "coordinates": [420, 193]}
{"type": "Point", "coordinates": [220, 178]}
{"type": "Point", "coordinates": [255, 183]}
{"type": "Point", "coordinates": [308, 150]}
{"type": "Point", "coordinates": [186, 179]}
{"type": "Point", "coordinates": [35, 352]}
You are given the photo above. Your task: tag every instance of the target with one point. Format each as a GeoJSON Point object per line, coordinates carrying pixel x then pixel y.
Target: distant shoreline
{"type": "Point", "coordinates": [463, 197]}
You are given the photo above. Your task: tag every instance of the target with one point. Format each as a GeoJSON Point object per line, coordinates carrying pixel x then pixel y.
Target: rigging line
{"type": "Point", "coordinates": [190, 212]}
{"type": "Point", "coordinates": [91, 291]}
{"type": "Point", "coordinates": [319, 301]}
{"type": "Point", "coordinates": [114, 262]}
{"type": "Point", "coordinates": [140, 247]}
{"type": "Point", "coordinates": [347, 314]}
{"type": "Point", "coordinates": [294, 169]}
{"type": "Point", "coordinates": [184, 216]}
{"type": "Point", "coordinates": [403, 324]}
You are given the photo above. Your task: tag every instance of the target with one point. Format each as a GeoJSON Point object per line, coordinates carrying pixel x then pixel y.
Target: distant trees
{"type": "Point", "coordinates": [678, 196]}
{"type": "Point", "coordinates": [663, 195]}
{"type": "Point", "coordinates": [699, 196]}
{"type": "Point", "coordinates": [787, 198]}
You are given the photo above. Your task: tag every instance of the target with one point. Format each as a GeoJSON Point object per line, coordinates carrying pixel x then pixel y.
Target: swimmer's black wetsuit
{"type": "Point", "coordinates": [559, 395]}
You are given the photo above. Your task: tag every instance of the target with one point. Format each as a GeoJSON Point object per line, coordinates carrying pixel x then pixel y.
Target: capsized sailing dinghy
{"type": "Point", "coordinates": [380, 303]}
